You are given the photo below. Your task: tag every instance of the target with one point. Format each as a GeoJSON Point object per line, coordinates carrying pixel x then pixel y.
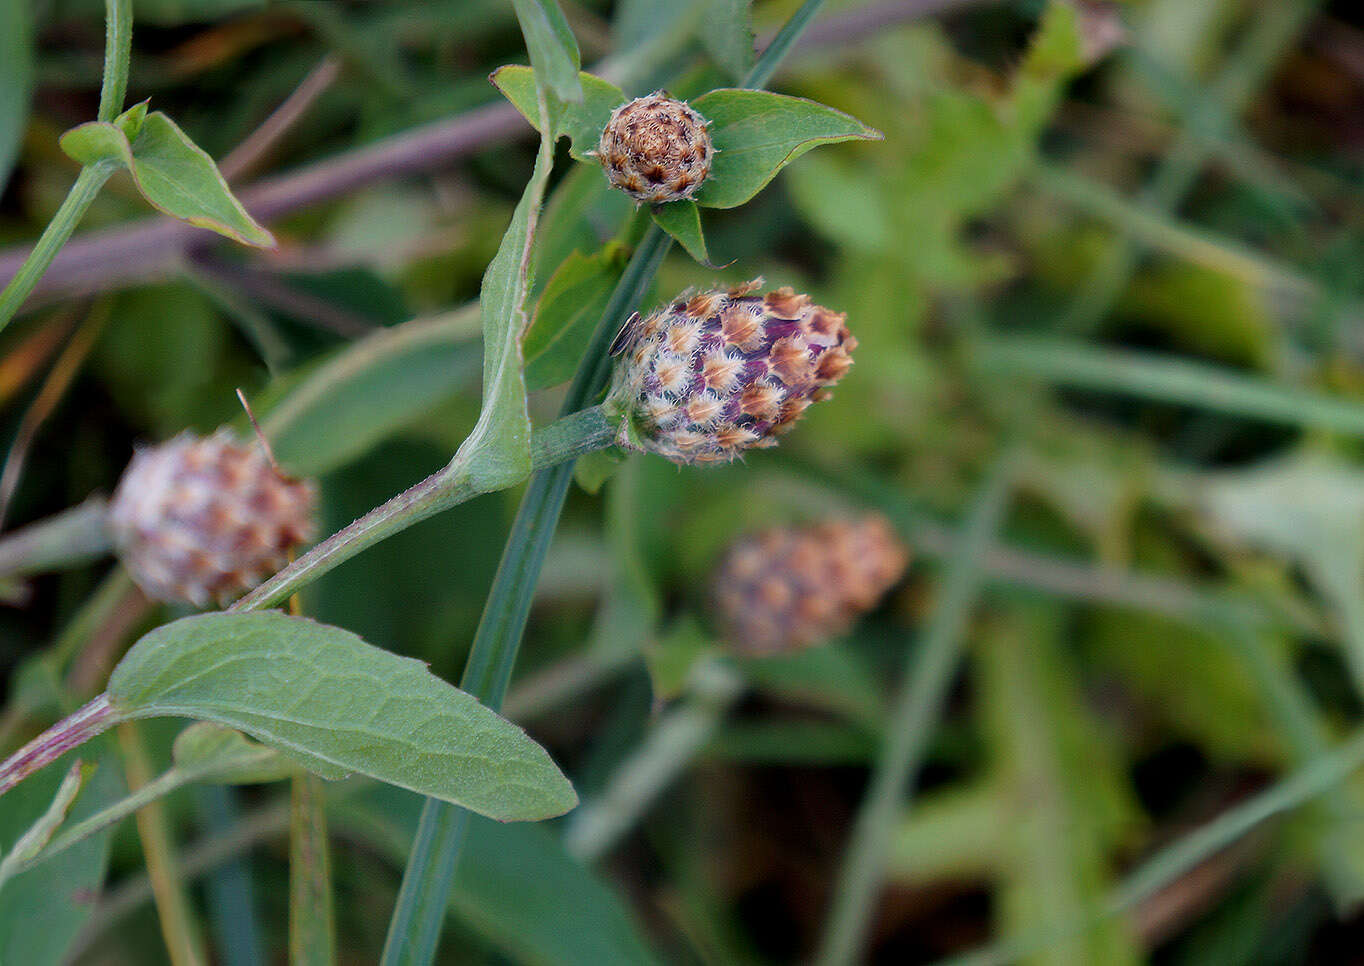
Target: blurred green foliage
{"type": "Point", "coordinates": [1174, 617]}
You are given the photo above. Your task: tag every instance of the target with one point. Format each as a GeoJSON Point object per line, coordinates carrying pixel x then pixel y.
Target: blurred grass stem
{"type": "Point", "coordinates": [918, 705]}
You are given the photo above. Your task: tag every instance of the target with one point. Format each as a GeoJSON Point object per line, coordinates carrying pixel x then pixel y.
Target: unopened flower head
{"type": "Point", "coordinates": [789, 588]}
{"type": "Point", "coordinates": [713, 374]}
{"type": "Point", "coordinates": [655, 149]}
{"type": "Point", "coordinates": [203, 520]}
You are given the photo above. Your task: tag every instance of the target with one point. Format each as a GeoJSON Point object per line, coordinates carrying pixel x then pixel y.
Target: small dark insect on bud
{"type": "Point", "coordinates": [200, 521]}
{"type": "Point", "coordinates": [789, 588]}
{"type": "Point", "coordinates": [655, 149]}
{"type": "Point", "coordinates": [716, 373]}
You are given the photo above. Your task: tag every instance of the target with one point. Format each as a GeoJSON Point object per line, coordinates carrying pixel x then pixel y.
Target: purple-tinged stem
{"type": "Point", "coordinates": [71, 732]}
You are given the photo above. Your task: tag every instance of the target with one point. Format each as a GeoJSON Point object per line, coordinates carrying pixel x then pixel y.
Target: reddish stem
{"type": "Point", "coordinates": [72, 731]}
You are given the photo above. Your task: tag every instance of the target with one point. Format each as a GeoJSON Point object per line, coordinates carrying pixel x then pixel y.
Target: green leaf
{"type": "Point", "coordinates": [552, 47]}
{"type": "Point", "coordinates": [228, 756]}
{"type": "Point", "coordinates": [43, 909]}
{"type": "Point", "coordinates": [757, 133]}
{"type": "Point", "coordinates": [16, 80]}
{"type": "Point", "coordinates": [95, 142]}
{"type": "Point", "coordinates": [682, 220]}
{"type": "Point", "coordinates": [727, 35]}
{"type": "Point", "coordinates": [174, 13]}
{"type": "Point", "coordinates": [581, 123]}
{"type": "Point", "coordinates": [130, 121]}
{"type": "Point", "coordinates": [171, 172]}
{"type": "Point", "coordinates": [179, 178]}
{"type": "Point", "coordinates": [567, 314]}
{"type": "Point", "coordinates": [496, 452]}
{"type": "Point", "coordinates": [40, 832]}
{"type": "Point", "coordinates": [322, 692]}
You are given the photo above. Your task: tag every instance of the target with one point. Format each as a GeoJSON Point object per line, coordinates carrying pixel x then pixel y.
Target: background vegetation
{"type": "Point", "coordinates": [1110, 389]}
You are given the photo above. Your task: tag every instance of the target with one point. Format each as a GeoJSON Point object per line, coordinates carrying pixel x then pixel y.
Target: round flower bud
{"type": "Point", "coordinates": [655, 149]}
{"type": "Point", "coordinates": [200, 520]}
{"type": "Point", "coordinates": [711, 375]}
{"type": "Point", "coordinates": [789, 588]}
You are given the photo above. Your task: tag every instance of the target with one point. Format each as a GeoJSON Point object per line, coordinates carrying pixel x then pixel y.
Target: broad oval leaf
{"type": "Point", "coordinates": [568, 313]}
{"type": "Point", "coordinates": [552, 47]}
{"type": "Point", "coordinates": [757, 133]}
{"type": "Point", "coordinates": [581, 123]}
{"type": "Point", "coordinates": [323, 693]}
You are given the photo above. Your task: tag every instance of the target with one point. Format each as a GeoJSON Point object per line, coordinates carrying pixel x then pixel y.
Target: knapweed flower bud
{"type": "Point", "coordinates": [789, 588]}
{"type": "Point", "coordinates": [200, 520]}
{"type": "Point", "coordinates": [655, 149]}
{"type": "Point", "coordinates": [711, 375]}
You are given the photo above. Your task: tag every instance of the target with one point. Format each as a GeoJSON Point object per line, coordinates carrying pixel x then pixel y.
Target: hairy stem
{"type": "Point", "coordinates": [71, 732]}
{"type": "Point", "coordinates": [118, 45]}
{"type": "Point", "coordinates": [566, 439]}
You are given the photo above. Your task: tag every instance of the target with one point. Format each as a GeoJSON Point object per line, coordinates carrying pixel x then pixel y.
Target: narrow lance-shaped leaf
{"type": "Point", "coordinates": [552, 47]}
{"type": "Point", "coordinates": [496, 454]}
{"type": "Point", "coordinates": [171, 172]}
{"type": "Point", "coordinates": [323, 695]}
{"type": "Point", "coordinates": [40, 832]}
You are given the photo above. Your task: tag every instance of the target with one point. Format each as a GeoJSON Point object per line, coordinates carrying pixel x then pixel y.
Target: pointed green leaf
{"type": "Point", "coordinates": [757, 133]}
{"type": "Point", "coordinates": [569, 310]}
{"type": "Point", "coordinates": [130, 121]}
{"type": "Point", "coordinates": [552, 47]}
{"type": "Point", "coordinates": [179, 178]}
{"type": "Point", "coordinates": [307, 688]}
{"type": "Point", "coordinates": [171, 172]}
{"type": "Point", "coordinates": [40, 832]}
{"type": "Point", "coordinates": [581, 123]}
{"type": "Point", "coordinates": [682, 220]}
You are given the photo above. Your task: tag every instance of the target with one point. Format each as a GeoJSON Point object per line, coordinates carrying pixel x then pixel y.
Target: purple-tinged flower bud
{"type": "Point", "coordinates": [713, 374]}
{"type": "Point", "coordinates": [789, 588]}
{"type": "Point", "coordinates": [655, 149]}
{"type": "Point", "coordinates": [204, 520]}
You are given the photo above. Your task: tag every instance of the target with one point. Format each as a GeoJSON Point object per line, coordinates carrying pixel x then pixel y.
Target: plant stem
{"type": "Point", "coordinates": [67, 539]}
{"type": "Point", "coordinates": [565, 439]}
{"type": "Point", "coordinates": [420, 910]}
{"type": "Point", "coordinates": [118, 45]}
{"type": "Point", "coordinates": [58, 230]}
{"type": "Point", "coordinates": [917, 706]}
{"type": "Point", "coordinates": [181, 933]}
{"type": "Point", "coordinates": [312, 936]}
{"type": "Point", "coordinates": [669, 748]}
{"type": "Point", "coordinates": [71, 732]}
